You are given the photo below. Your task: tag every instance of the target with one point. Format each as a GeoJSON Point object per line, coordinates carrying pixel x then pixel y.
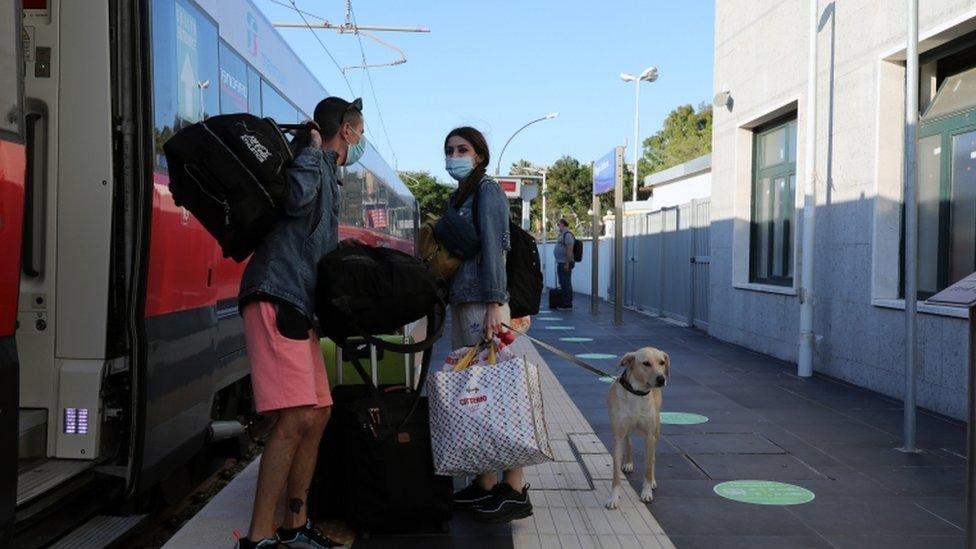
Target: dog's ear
{"type": "Point", "coordinates": [667, 365]}
{"type": "Point", "coordinates": [627, 360]}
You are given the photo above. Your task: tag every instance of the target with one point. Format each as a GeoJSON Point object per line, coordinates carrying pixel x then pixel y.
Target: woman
{"type": "Point", "coordinates": [479, 302]}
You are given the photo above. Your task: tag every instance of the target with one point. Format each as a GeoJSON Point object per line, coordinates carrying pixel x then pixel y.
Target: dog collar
{"type": "Point", "coordinates": [630, 388]}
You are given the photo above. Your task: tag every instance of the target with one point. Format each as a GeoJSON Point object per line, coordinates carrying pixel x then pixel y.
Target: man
{"type": "Point", "coordinates": [564, 264]}
{"type": "Point", "coordinates": [277, 302]}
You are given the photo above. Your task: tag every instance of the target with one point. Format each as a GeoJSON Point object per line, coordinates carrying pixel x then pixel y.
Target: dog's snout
{"type": "Point", "coordinates": [661, 380]}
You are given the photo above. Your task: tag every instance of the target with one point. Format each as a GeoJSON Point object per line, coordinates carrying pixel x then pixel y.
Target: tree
{"type": "Point", "coordinates": [431, 194]}
{"type": "Point", "coordinates": [686, 135]}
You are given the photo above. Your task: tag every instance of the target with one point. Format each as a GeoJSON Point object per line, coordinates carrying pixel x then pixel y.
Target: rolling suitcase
{"type": "Point", "coordinates": [375, 469]}
{"type": "Point", "coordinates": [555, 298]}
{"type": "Point", "coordinates": [392, 368]}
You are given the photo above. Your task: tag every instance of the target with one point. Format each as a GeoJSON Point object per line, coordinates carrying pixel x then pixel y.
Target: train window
{"type": "Point", "coordinates": [234, 90]}
{"type": "Point", "coordinates": [10, 69]}
{"type": "Point", "coordinates": [254, 87]}
{"type": "Point", "coordinates": [186, 78]}
{"type": "Point", "coordinates": [276, 106]}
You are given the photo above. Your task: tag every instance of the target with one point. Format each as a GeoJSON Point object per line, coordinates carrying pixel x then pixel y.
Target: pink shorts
{"type": "Point", "coordinates": [285, 373]}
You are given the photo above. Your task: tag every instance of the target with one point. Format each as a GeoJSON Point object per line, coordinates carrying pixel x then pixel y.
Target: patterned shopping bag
{"type": "Point", "coordinates": [486, 418]}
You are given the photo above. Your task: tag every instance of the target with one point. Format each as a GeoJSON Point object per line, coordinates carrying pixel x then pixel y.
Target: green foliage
{"type": "Point", "coordinates": [431, 195]}
{"type": "Point", "coordinates": [686, 135]}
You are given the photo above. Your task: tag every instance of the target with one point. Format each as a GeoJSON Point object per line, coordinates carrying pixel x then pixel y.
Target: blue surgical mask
{"type": "Point", "coordinates": [459, 167]}
{"type": "Point", "coordinates": [356, 150]}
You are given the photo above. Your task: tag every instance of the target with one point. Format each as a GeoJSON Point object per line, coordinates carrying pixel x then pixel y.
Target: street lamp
{"type": "Point", "coordinates": [202, 85]}
{"type": "Point", "coordinates": [549, 116]}
{"type": "Point", "coordinates": [544, 171]}
{"type": "Point", "coordinates": [649, 75]}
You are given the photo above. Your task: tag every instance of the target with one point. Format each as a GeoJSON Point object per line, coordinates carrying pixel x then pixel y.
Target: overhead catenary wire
{"type": "Point", "coordinates": [369, 78]}
{"type": "Point", "coordinates": [319, 40]}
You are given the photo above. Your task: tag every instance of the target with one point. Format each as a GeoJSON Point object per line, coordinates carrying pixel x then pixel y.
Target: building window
{"type": "Point", "coordinates": [947, 185]}
{"type": "Point", "coordinates": [773, 199]}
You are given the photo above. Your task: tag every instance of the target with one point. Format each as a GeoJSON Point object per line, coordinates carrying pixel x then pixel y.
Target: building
{"type": "Point", "coordinates": [758, 172]}
{"type": "Point", "coordinates": [680, 184]}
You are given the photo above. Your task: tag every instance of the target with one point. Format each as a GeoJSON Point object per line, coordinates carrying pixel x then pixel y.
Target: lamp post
{"type": "Point", "coordinates": [544, 171]}
{"type": "Point", "coordinates": [498, 165]}
{"type": "Point", "coordinates": [202, 85]}
{"type": "Point", "coordinates": [649, 75]}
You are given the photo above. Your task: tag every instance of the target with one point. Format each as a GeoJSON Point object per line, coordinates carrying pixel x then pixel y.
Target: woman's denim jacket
{"type": "Point", "coordinates": [284, 266]}
{"type": "Point", "coordinates": [482, 278]}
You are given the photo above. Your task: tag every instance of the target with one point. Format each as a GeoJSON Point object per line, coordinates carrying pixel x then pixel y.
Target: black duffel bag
{"type": "Point", "coordinates": [366, 291]}
{"type": "Point", "coordinates": [230, 172]}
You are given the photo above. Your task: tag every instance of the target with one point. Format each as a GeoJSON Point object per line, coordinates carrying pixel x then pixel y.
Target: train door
{"type": "Point", "coordinates": [63, 291]}
{"type": "Point", "coordinates": [12, 174]}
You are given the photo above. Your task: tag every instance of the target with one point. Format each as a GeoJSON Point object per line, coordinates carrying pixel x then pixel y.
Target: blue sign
{"type": "Point", "coordinates": [605, 173]}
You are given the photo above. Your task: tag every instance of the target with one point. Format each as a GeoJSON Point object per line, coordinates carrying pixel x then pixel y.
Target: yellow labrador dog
{"type": "Point", "coordinates": [635, 407]}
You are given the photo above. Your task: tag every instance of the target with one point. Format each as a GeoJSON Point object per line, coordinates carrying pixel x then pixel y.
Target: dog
{"type": "Point", "coordinates": [634, 403]}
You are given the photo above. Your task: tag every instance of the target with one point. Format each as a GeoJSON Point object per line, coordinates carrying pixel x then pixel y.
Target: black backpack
{"type": "Point", "coordinates": [577, 250]}
{"type": "Point", "coordinates": [366, 291]}
{"type": "Point", "coordinates": [522, 268]}
{"type": "Point", "coordinates": [229, 171]}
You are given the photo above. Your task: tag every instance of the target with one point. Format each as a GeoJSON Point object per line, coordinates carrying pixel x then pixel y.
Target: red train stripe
{"type": "Point", "coordinates": [186, 267]}
{"type": "Point", "coordinates": [12, 173]}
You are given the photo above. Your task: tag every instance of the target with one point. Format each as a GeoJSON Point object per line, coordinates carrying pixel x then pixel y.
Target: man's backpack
{"type": "Point", "coordinates": [366, 291]}
{"type": "Point", "coordinates": [522, 268]}
{"type": "Point", "coordinates": [577, 250]}
{"type": "Point", "coordinates": [229, 171]}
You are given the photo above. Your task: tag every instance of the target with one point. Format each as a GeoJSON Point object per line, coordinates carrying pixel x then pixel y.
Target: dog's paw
{"type": "Point", "coordinates": [627, 467]}
{"type": "Point", "coordinates": [654, 484]}
{"type": "Point", "coordinates": [614, 501]}
{"type": "Point", "coordinates": [647, 494]}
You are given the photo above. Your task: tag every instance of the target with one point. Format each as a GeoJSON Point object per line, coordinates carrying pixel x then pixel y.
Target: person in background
{"type": "Point", "coordinates": [564, 264]}
{"type": "Point", "coordinates": [479, 303]}
{"type": "Point", "coordinates": [277, 302]}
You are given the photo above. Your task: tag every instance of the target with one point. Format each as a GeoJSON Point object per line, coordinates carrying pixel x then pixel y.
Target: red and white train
{"type": "Point", "coordinates": [121, 346]}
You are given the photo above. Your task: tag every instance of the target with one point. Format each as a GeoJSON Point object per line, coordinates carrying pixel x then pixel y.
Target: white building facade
{"type": "Point", "coordinates": [758, 178]}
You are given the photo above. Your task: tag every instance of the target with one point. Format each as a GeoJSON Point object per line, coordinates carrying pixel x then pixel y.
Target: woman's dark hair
{"type": "Point", "coordinates": [480, 146]}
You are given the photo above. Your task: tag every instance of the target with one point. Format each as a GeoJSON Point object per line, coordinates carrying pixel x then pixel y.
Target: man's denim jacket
{"type": "Point", "coordinates": [284, 266]}
{"type": "Point", "coordinates": [482, 278]}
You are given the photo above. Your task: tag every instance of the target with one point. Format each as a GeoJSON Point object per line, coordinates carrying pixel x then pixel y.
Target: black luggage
{"type": "Point", "coordinates": [229, 171]}
{"type": "Point", "coordinates": [375, 467]}
{"type": "Point", "coordinates": [365, 291]}
{"type": "Point", "coordinates": [555, 298]}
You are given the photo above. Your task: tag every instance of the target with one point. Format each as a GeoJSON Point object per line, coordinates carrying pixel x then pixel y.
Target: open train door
{"type": "Point", "coordinates": [12, 182]}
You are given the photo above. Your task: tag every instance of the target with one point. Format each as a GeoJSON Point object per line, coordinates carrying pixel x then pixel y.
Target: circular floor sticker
{"type": "Point", "coordinates": [682, 418]}
{"type": "Point", "coordinates": [608, 379]}
{"type": "Point", "coordinates": [560, 328]}
{"type": "Point", "coordinates": [576, 339]}
{"type": "Point", "coordinates": [595, 356]}
{"type": "Point", "coordinates": [764, 492]}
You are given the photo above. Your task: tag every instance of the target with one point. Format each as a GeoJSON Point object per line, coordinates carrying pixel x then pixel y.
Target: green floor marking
{"type": "Point", "coordinates": [764, 492]}
{"type": "Point", "coordinates": [576, 339]}
{"type": "Point", "coordinates": [560, 328]}
{"type": "Point", "coordinates": [608, 379]}
{"type": "Point", "coordinates": [595, 356]}
{"type": "Point", "coordinates": [682, 418]}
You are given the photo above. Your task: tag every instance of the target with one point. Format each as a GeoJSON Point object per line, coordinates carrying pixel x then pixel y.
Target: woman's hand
{"type": "Point", "coordinates": [493, 320]}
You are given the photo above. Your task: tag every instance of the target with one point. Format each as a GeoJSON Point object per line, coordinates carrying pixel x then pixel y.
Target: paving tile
{"type": "Point", "coordinates": [750, 542]}
{"type": "Point", "coordinates": [896, 542]}
{"type": "Point", "coordinates": [779, 467]}
{"type": "Point", "coordinates": [699, 444]}
{"type": "Point", "coordinates": [921, 481]}
{"type": "Point", "coordinates": [849, 516]}
{"type": "Point", "coordinates": [717, 516]}
{"type": "Point", "coordinates": [949, 509]}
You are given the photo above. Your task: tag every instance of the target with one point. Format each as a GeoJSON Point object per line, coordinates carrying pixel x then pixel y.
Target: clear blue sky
{"type": "Point", "coordinates": [497, 65]}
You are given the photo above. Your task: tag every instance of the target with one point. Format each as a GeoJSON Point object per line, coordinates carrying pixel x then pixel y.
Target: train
{"type": "Point", "coordinates": [122, 357]}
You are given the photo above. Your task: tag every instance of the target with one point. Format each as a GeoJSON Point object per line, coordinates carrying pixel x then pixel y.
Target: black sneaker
{"type": "Point", "coordinates": [505, 505]}
{"type": "Point", "coordinates": [245, 543]}
{"type": "Point", "coordinates": [305, 537]}
{"type": "Point", "coordinates": [472, 496]}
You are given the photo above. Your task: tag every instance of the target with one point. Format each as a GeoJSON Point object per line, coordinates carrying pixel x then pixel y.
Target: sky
{"type": "Point", "coordinates": [499, 64]}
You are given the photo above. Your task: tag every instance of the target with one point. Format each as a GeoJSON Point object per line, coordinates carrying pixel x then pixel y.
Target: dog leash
{"type": "Point", "coordinates": [563, 354]}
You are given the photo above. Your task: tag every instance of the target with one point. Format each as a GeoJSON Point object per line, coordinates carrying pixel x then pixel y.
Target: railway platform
{"type": "Point", "coordinates": [751, 456]}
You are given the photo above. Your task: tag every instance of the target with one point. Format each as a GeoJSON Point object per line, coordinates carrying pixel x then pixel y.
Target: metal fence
{"type": "Point", "coordinates": [666, 262]}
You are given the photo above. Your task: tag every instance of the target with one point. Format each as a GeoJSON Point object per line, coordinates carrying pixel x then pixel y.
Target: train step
{"type": "Point", "coordinates": [37, 478]}
{"type": "Point", "coordinates": [101, 531]}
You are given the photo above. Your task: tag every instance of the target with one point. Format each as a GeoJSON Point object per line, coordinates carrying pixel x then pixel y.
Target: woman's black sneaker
{"type": "Point", "coordinates": [505, 505]}
{"type": "Point", "coordinates": [472, 496]}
